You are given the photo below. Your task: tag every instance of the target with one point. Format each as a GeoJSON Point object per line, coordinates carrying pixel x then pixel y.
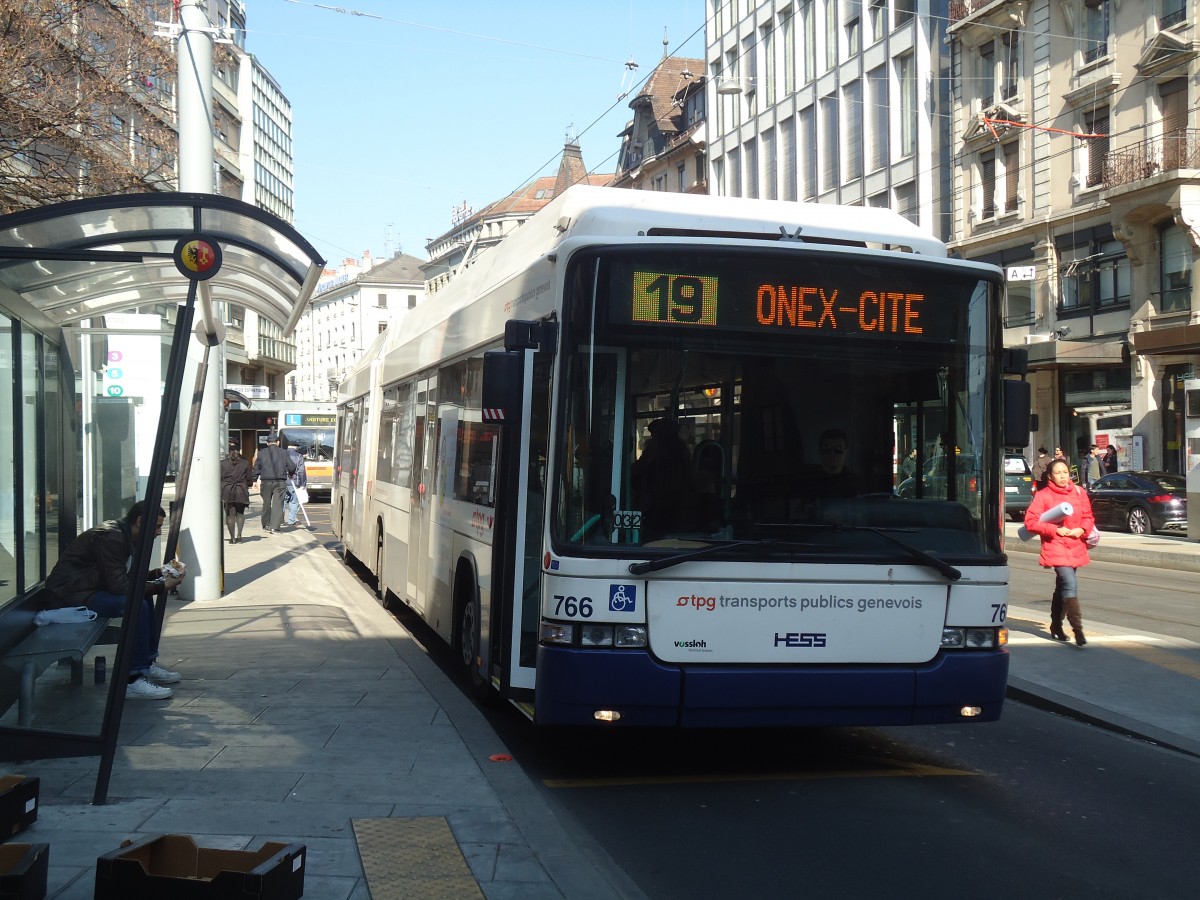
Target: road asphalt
{"type": "Point", "coordinates": [307, 714]}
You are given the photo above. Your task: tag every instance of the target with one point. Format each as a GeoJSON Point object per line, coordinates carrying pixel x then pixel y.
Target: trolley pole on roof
{"type": "Point", "coordinates": [200, 531]}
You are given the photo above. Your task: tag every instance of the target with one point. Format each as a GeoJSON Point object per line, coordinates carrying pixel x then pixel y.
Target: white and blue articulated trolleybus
{"type": "Point", "coordinates": [639, 465]}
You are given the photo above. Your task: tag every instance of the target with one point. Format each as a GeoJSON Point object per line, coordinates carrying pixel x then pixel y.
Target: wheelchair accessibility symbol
{"type": "Point", "coordinates": [622, 598]}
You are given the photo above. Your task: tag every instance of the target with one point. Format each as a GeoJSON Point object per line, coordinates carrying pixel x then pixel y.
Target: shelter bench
{"type": "Point", "coordinates": [45, 645]}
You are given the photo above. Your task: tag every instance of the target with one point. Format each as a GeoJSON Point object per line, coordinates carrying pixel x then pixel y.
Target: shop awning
{"type": "Point", "coordinates": [80, 259]}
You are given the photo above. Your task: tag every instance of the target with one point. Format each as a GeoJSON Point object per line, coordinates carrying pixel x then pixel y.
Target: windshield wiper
{"type": "Point", "coordinates": [665, 562]}
{"type": "Point", "coordinates": [925, 559]}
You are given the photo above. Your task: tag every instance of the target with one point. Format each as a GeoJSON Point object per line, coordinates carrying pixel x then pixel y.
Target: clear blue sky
{"type": "Point", "coordinates": [399, 118]}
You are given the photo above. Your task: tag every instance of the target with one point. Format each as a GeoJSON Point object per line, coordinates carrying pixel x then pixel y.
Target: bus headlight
{"type": "Point", "coordinates": [589, 634]}
{"type": "Point", "coordinates": [557, 632]}
{"type": "Point", "coordinates": [596, 636]}
{"type": "Point", "coordinates": [973, 638]}
{"type": "Point", "coordinates": [631, 636]}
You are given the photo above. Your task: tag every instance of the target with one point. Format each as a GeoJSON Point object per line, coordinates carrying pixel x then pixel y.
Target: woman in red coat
{"type": "Point", "coordinates": [1064, 544]}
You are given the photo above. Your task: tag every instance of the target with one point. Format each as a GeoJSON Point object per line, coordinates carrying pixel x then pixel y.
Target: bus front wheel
{"type": "Point", "coordinates": [469, 640]}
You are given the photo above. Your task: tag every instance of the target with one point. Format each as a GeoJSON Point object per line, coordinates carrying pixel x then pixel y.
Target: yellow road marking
{"type": "Point", "coordinates": [894, 770]}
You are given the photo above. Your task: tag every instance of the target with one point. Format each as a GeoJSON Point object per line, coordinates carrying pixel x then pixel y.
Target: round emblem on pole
{"type": "Point", "coordinates": [197, 257]}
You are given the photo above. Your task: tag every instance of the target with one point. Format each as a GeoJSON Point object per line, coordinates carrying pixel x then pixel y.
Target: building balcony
{"type": "Point", "coordinates": [275, 353]}
{"type": "Point", "coordinates": [962, 9]}
{"type": "Point", "coordinates": [1146, 159]}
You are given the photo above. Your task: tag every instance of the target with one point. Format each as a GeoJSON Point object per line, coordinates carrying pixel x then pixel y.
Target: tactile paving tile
{"type": "Point", "coordinates": [414, 858]}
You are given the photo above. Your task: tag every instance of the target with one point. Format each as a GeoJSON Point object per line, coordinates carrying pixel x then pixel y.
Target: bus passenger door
{"type": "Point", "coordinates": [422, 496]}
{"type": "Point", "coordinates": [517, 544]}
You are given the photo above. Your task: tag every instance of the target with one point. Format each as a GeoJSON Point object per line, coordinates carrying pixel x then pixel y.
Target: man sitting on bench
{"type": "Point", "coordinates": [94, 572]}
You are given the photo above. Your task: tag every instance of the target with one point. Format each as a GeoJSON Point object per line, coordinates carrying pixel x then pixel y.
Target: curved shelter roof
{"type": "Point", "coordinates": [82, 258]}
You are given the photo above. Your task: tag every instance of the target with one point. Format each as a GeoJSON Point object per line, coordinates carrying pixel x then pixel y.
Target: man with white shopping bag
{"type": "Point", "coordinates": [297, 490]}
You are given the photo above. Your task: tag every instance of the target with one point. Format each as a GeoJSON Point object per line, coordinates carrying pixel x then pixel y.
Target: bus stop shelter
{"type": "Point", "coordinates": [67, 264]}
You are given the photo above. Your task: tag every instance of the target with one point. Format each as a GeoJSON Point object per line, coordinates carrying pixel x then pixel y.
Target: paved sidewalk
{"type": "Point", "coordinates": [306, 713]}
{"type": "Point", "coordinates": [1135, 682]}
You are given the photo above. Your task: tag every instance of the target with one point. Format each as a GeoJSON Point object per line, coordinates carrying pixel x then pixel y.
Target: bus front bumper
{"type": "Point", "coordinates": [574, 686]}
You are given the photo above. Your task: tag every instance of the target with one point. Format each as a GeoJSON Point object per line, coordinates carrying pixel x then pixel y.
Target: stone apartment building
{"type": "Point", "coordinates": [1076, 169]}
{"type": "Point", "coordinates": [1050, 137]}
{"type": "Point", "coordinates": [831, 101]}
{"type": "Point", "coordinates": [353, 305]}
{"type": "Point", "coordinates": [662, 146]}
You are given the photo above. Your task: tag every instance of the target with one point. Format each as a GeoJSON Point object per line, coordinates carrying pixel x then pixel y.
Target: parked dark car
{"type": "Point", "coordinates": [1141, 502]}
{"type": "Point", "coordinates": [1018, 486]}
{"type": "Point", "coordinates": [934, 484]}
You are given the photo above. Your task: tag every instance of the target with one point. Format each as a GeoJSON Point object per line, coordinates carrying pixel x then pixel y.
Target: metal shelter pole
{"type": "Point", "coordinates": [141, 561]}
{"type": "Point", "coordinates": [199, 544]}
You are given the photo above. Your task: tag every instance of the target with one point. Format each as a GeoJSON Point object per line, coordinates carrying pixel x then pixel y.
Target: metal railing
{"type": "Point", "coordinates": [960, 9]}
{"type": "Point", "coordinates": [1145, 159]}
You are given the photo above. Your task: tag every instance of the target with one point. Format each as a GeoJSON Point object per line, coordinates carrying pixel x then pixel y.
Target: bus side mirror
{"type": "Point", "coordinates": [1016, 413]}
{"type": "Point", "coordinates": [502, 383]}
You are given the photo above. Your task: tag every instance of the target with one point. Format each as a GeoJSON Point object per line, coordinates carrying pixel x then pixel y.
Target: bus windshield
{"type": "Point", "coordinates": [313, 443]}
{"type": "Point", "coordinates": [794, 401]}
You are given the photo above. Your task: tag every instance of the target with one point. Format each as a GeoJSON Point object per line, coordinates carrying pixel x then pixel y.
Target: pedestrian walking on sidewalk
{"type": "Point", "coordinates": [1064, 545]}
{"type": "Point", "coordinates": [1039, 467]}
{"type": "Point", "coordinates": [236, 479]}
{"type": "Point", "coordinates": [298, 479]}
{"type": "Point", "coordinates": [272, 469]}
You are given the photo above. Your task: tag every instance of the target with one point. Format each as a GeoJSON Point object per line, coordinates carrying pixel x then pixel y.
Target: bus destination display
{"type": "Point", "coordinates": [839, 303]}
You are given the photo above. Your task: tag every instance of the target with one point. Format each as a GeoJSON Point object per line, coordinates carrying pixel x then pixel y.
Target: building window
{"type": "Point", "coordinates": [831, 36]}
{"type": "Point", "coordinates": [877, 114]}
{"type": "Point", "coordinates": [382, 327]}
{"type": "Point", "coordinates": [987, 74]}
{"type": "Point", "coordinates": [1096, 29]}
{"type": "Point", "coordinates": [1173, 103]}
{"type": "Point", "coordinates": [853, 27]}
{"type": "Point", "coordinates": [1095, 276]}
{"type": "Point", "coordinates": [808, 152]}
{"type": "Point", "coordinates": [878, 14]}
{"type": "Point", "coordinates": [906, 202]}
{"type": "Point", "coordinates": [853, 148]}
{"type": "Point", "coordinates": [1096, 148]}
{"type": "Point", "coordinates": [770, 85]}
{"type": "Point", "coordinates": [906, 75]}
{"type": "Point", "coordinates": [751, 153]}
{"type": "Point", "coordinates": [1176, 273]}
{"type": "Point", "coordinates": [412, 301]}
{"type": "Point", "coordinates": [788, 38]}
{"type": "Point", "coordinates": [902, 12]}
{"type": "Point", "coordinates": [1018, 298]}
{"type": "Point", "coordinates": [771, 165]}
{"type": "Point", "coordinates": [808, 36]}
{"type": "Point", "coordinates": [787, 133]}
{"type": "Point", "coordinates": [829, 146]}
{"type": "Point", "coordinates": [1012, 65]}
{"type": "Point", "coordinates": [1012, 176]}
{"type": "Point", "coordinates": [381, 301]}
{"type": "Point", "coordinates": [681, 173]}
{"type": "Point", "coordinates": [987, 184]}
{"type": "Point", "coordinates": [1173, 12]}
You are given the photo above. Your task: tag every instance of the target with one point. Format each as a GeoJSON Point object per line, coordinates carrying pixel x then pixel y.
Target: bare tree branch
{"type": "Point", "coordinates": [87, 103]}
